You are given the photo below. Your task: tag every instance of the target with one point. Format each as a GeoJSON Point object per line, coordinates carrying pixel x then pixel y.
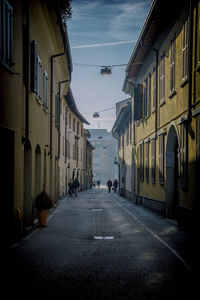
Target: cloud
{"type": "Point", "coordinates": [105, 21]}
{"type": "Point", "coordinates": [103, 44]}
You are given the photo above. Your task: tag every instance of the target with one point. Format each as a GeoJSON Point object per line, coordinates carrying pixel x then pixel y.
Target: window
{"type": "Point", "coordinates": [73, 124]}
{"type": "Point", "coordinates": [161, 158]}
{"type": "Point", "coordinates": [185, 49]}
{"type": "Point", "coordinates": [153, 160]}
{"type": "Point", "coordinates": [138, 102]}
{"type": "Point", "coordinates": [45, 79]}
{"type": "Point", "coordinates": [147, 161]}
{"type": "Point", "coordinates": [130, 126]}
{"type": "Point", "coordinates": [172, 65]}
{"type": "Point", "coordinates": [77, 128]}
{"type": "Point", "coordinates": [183, 158]}
{"type": "Point", "coordinates": [149, 95]}
{"type": "Point", "coordinates": [38, 72]}
{"type": "Point", "coordinates": [36, 68]}
{"type": "Point", "coordinates": [141, 162]}
{"type": "Point", "coordinates": [70, 121]}
{"type": "Point", "coordinates": [145, 99]}
{"type": "Point", "coordinates": [154, 88]}
{"type": "Point", "coordinates": [6, 33]}
{"type": "Point", "coordinates": [127, 133]}
{"type": "Point", "coordinates": [162, 78]}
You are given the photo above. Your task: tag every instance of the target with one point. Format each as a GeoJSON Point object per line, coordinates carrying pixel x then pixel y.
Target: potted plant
{"type": "Point", "coordinates": [43, 203]}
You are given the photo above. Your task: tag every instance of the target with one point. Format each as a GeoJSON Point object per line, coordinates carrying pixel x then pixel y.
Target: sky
{"type": "Point", "coordinates": [102, 33]}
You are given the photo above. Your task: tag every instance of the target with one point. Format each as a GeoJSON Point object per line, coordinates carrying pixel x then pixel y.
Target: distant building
{"type": "Point", "coordinates": [122, 131]}
{"type": "Point", "coordinates": [104, 155]}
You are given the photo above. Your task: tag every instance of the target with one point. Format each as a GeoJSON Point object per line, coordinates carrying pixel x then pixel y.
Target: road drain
{"type": "Point", "coordinates": [103, 237]}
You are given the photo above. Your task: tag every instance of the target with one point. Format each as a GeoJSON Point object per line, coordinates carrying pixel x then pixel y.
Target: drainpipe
{"type": "Point", "coordinates": [59, 92]}
{"type": "Point", "coordinates": [190, 62]}
{"type": "Point", "coordinates": [27, 69]}
{"type": "Point", "coordinates": [156, 104]}
{"type": "Point", "coordinates": [51, 101]}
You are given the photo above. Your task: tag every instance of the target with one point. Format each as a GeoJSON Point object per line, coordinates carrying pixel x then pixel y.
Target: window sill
{"type": "Point", "coordinates": [184, 82]}
{"type": "Point", "coordinates": [197, 68]}
{"type": "Point", "coordinates": [38, 99]}
{"type": "Point", "coordinates": [147, 117]}
{"type": "Point", "coordinates": [172, 94]}
{"type": "Point", "coordinates": [45, 108]}
{"type": "Point", "coordinates": [9, 68]}
{"type": "Point", "coordinates": [162, 102]}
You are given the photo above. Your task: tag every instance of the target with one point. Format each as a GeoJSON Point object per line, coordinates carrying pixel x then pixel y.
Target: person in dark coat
{"type": "Point", "coordinates": [71, 188]}
{"type": "Point", "coordinates": [109, 184]}
{"type": "Point", "coordinates": [76, 186]}
{"type": "Point", "coordinates": [115, 185]}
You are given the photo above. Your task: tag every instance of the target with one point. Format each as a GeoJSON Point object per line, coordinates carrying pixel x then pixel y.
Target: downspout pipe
{"type": "Point", "coordinates": [27, 69]}
{"type": "Point", "coordinates": [59, 91]}
{"type": "Point", "coordinates": [156, 100]}
{"type": "Point", "coordinates": [51, 100]}
{"type": "Point", "coordinates": [190, 62]}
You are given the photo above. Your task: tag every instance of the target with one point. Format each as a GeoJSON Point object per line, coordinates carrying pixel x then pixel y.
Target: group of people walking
{"type": "Point", "coordinates": [73, 187]}
{"type": "Point", "coordinates": [114, 185]}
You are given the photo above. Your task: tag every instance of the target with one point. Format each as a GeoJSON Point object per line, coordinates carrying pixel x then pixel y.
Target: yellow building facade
{"type": "Point", "coordinates": [72, 144]}
{"type": "Point", "coordinates": [162, 77]}
{"type": "Point", "coordinates": [34, 60]}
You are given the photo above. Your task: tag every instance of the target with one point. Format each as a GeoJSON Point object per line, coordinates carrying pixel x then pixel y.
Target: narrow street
{"type": "Point", "coordinates": [102, 246]}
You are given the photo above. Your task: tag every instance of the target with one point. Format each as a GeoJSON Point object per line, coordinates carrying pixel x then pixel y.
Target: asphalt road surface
{"type": "Point", "coordinates": [102, 246]}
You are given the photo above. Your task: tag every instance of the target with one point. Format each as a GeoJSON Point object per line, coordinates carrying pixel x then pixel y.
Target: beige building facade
{"type": "Point", "coordinates": [72, 144]}
{"type": "Point", "coordinates": [34, 60]}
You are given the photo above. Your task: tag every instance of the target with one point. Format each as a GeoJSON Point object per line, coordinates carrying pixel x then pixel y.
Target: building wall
{"type": "Point", "coordinates": [24, 121]}
{"type": "Point", "coordinates": [173, 126]}
{"type": "Point", "coordinates": [71, 163]}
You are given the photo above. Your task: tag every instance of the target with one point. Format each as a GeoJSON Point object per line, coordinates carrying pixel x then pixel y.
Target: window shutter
{"type": "Point", "coordinates": [154, 87]}
{"type": "Point", "coordinates": [147, 162]}
{"type": "Point", "coordinates": [140, 100]}
{"type": "Point", "coordinates": [145, 99]}
{"type": "Point", "coordinates": [149, 95]}
{"type": "Point", "coordinates": [183, 158]}
{"type": "Point", "coordinates": [153, 160]}
{"type": "Point", "coordinates": [135, 104]}
{"type": "Point", "coordinates": [33, 66]}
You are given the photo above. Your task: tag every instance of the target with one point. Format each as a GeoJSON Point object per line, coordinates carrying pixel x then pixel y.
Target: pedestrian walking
{"type": "Point", "coordinates": [98, 183]}
{"type": "Point", "coordinates": [115, 185]}
{"type": "Point", "coordinates": [109, 184]}
{"type": "Point", "coordinates": [76, 186]}
{"type": "Point", "coordinates": [70, 187]}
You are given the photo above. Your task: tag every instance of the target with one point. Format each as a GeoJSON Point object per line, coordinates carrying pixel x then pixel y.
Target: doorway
{"type": "Point", "coordinates": [28, 203]}
{"type": "Point", "coordinates": [7, 182]}
{"type": "Point", "coordinates": [172, 190]}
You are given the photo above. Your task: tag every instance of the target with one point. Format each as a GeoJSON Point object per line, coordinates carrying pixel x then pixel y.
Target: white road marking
{"type": "Point", "coordinates": [157, 237]}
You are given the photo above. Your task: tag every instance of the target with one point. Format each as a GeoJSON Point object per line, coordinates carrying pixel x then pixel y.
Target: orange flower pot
{"type": "Point", "coordinates": [42, 215]}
